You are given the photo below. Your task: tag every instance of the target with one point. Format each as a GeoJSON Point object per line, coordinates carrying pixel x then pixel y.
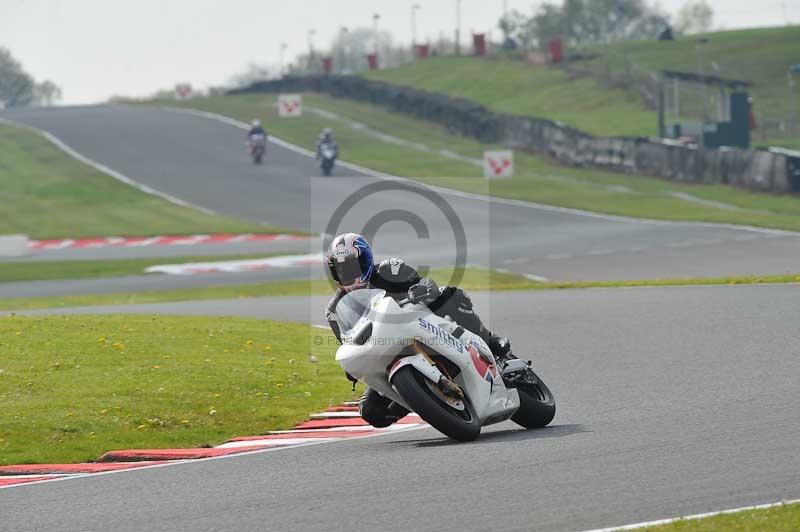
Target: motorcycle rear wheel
{"type": "Point", "coordinates": [537, 405]}
{"type": "Point", "coordinates": [460, 425]}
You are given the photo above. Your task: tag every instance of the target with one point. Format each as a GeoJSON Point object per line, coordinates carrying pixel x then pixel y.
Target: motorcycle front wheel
{"type": "Point", "coordinates": [455, 419]}
{"type": "Point", "coordinates": [537, 405]}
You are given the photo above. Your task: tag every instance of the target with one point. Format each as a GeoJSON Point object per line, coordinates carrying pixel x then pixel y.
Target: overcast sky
{"type": "Point", "coordinates": [96, 48]}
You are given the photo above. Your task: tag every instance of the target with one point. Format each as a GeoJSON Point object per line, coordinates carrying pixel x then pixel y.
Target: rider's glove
{"type": "Point", "coordinates": [425, 291]}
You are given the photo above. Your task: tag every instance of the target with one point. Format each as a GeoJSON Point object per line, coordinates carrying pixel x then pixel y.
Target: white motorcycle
{"type": "Point", "coordinates": [258, 147]}
{"type": "Point", "coordinates": [436, 368]}
{"type": "Point", "coordinates": [328, 153]}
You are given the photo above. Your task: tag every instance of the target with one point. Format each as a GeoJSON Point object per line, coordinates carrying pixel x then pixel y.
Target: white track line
{"type": "Point", "coordinates": [105, 169]}
{"type": "Point", "coordinates": [33, 475]}
{"type": "Point", "coordinates": [335, 415]}
{"type": "Point", "coordinates": [237, 266]}
{"type": "Point", "coordinates": [490, 199]}
{"type": "Point", "coordinates": [536, 278]}
{"type": "Point", "coordinates": [692, 517]}
{"type": "Point", "coordinates": [266, 442]}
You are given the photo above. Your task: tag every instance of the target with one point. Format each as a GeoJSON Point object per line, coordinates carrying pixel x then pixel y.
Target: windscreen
{"type": "Point", "coordinates": [354, 309]}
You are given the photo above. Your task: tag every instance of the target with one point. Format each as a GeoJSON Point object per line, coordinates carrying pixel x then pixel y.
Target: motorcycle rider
{"type": "Point", "coordinates": [256, 129]}
{"type": "Point", "coordinates": [351, 265]}
{"type": "Point", "coordinates": [326, 138]}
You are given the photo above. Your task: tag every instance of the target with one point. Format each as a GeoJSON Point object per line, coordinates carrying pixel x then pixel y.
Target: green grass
{"type": "Point", "coordinates": [537, 179]}
{"type": "Point", "coordinates": [783, 518]}
{"type": "Point", "coordinates": [513, 87]}
{"type": "Point", "coordinates": [474, 279]}
{"type": "Point", "coordinates": [761, 56]}
{"type": "Point", "coordinates": [73, 388]}
{"type": "Point", "coordinates": [471, 279]}
{"type": "Point", "coordinates": [47, 194]}
{"type": "Point", "coordinates": [91, 269]}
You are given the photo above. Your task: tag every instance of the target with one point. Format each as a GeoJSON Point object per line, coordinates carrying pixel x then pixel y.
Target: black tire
{"type": "Point", "coordinates": [537, 404]}
{"type": "Point", "coordinates": [459, 425]}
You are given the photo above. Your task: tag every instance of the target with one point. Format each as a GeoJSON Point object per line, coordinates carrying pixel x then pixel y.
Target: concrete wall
{"type": "Point", "coordinates": [752, 169]}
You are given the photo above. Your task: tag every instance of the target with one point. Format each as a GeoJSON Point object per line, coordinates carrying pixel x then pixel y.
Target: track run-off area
{"type": "Point", "coordinates": [671, 401]}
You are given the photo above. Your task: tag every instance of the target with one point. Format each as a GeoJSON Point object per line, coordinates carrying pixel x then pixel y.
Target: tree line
{"type": "Point", "coordinates": [586, 22]}
{"type": "Point", "coordinates": [19, 89]}
{"type": "Point", "coordinates": [579, 23]}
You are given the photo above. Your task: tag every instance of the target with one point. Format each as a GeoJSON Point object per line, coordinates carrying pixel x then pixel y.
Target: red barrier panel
{"type": "Point", "coordinates": [372, 61]}
{"type": "Point", "coordinates": [422, 51]}
{"type": "Point", "coordinates": [556, 49]}
{"type": "Point", "coordinates": [479, 43]}
{"type": "Point", "coordinates": [327, 65]}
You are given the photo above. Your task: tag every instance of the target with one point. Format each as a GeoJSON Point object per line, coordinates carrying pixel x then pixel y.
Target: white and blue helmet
{"type": "Point", "coordinates": [350, 261]}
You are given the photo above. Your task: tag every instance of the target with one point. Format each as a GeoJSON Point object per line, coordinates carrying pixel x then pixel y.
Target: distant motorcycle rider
{"type": "Point", "coordinates": [351, 265]}
{"type": "Point", "coordinates": [256, 129]}
{"type": "Point", "coordinates": [326, 139]}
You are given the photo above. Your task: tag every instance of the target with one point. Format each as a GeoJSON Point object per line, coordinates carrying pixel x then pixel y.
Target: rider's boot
{"type": "Point", "coordinates": [509, 363]}
{"type": "Point", "coordinates": [379, 411]}
{"type": "Point", "coordinates": [501, 347]}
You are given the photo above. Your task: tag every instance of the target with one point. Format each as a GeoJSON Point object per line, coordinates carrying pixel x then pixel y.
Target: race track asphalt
{"type": "Point", "coordinates": [671, 401]}
{"type": "Point", "coordinates": [203, 161]}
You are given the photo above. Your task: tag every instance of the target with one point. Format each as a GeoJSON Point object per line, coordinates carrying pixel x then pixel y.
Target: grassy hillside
{"type": "Point", "coordinates": [47, 194]}
{"type": "Point", "coordinates": [761, 56]}
{"type": "Point", "coordinates": [514, 87]}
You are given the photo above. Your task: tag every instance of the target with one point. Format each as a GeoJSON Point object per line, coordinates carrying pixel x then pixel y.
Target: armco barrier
{"type": "Point", "coordinates": [765, 171]}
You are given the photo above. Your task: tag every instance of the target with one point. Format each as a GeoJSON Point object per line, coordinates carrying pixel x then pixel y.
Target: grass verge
{"type": "Point", "coordinates": [90, 269]}
{"type": "Point", "coordinates": [474, 279]}
{"type": "Point", "coordinates": [75, 387]}
{"type": "Point", "coordinates": [48, 194]}
{"type": "Point", "coordinates": [783, 518]}
{"type": "Point", "coordinates": [537, 179]}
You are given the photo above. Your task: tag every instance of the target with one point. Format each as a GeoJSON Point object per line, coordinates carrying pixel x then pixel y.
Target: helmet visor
{"type": "Point", "coordinates": [348, 271]}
